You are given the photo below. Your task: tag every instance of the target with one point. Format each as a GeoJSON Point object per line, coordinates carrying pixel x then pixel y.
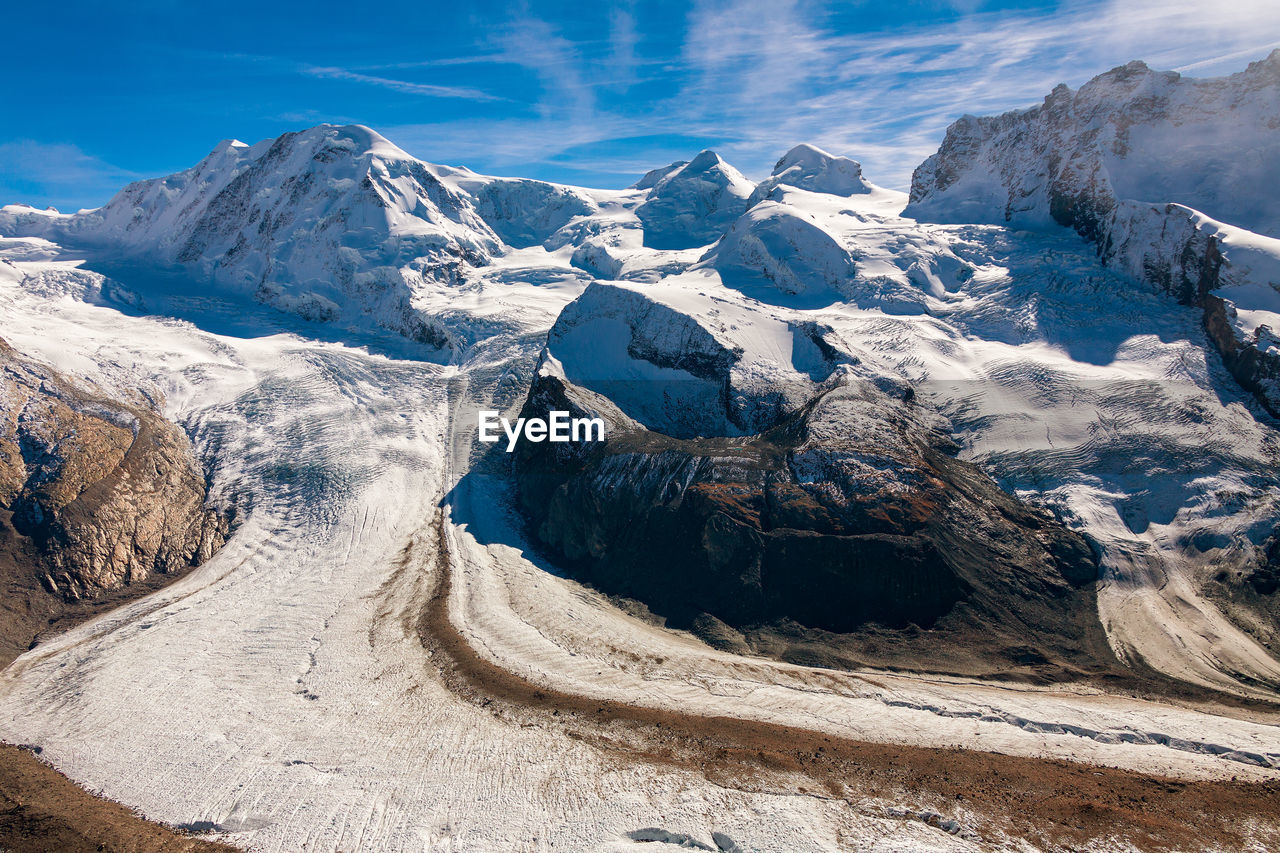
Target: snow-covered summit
{"type": "Point", "coordinates": [676, 360]}
{"type": "Point", "coordinates": [779, 244]}
{"type": "Point", "coordinates": [693, 204]}
{"type": "Point", "coordinates": [320, 177]}
{"type": "Point", "coordinates": [1164, 174]}
{"type": "Point", "coordinates": [650, 178]}
{"type": "Point", "coordinates": [331, 223]}
{"type": "Point", "coordinates": [1130, 133]}
{"type": "Point", "coordinates": [808, 167]}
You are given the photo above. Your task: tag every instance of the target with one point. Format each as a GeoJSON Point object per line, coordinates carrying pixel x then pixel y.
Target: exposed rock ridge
{"type": "Point", "coordinates": [106, 491]}
{"type": "Point", "coordinates": [849, 520]}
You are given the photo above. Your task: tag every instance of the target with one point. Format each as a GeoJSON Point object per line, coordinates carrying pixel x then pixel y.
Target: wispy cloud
{"type": "Point", "coordinates": [56, 174]}
{"type": "Point", "coordinates": [887, 97]}
{"type": "Point", "coordinates": [408, 87]}
{"type": "Point", "coordinates": [623, 40]}
{"type": "Point", "coordinates": [753, 77]}
{"type": "Point", "coordinates": [352, 74]}
{"type": "Point", "coordinates": [1233, 56]}
{"type": "Point", "coordinates": [568, 93]}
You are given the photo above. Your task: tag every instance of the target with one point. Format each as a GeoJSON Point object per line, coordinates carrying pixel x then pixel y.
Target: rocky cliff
{"type": "Point", "coordinates": [840, 530]}
{"type": "Point", "coordinates": [95, 494]}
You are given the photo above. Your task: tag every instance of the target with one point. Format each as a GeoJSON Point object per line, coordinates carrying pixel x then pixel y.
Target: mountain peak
{"type": "Point", "coordinates": [332, 222]}
{"type": "Point", "coordinates": [692, 205]}
{"type": "Point", "coordinates": [705, 159]}
{"type": "Point", "coordinates": [808, 167]}
{"type": "Point", "coordinates": [653, 176]}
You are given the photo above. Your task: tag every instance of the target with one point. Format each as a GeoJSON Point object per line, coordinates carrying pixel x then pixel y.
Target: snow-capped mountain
{"type": "Point", "coordinates": [954, 440]}
{"type": "Point", "coordinates": [1163, 173]}
{"type": "Point", "coordinates": [808, 167]}
{"type": "Point", "coordinates": [1131, 133]}
{"type": "Point", "coordinates": [331, 223]}
{"type": "Point", "coordinates": [691, 204]}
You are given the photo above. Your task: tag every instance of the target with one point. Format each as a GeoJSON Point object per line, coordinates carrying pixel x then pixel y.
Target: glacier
{"type": "Point", "coordinates": [325, 315]}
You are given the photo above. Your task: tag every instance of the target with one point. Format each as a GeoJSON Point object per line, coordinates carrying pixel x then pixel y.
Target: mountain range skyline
{"type": "Point", "coordinates": [592, 98]}
{"type": "Point", "coordinates": [923, 521]}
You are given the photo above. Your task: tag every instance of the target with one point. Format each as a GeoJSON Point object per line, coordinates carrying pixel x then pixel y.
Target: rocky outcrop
{"type": "Point", "coordinates": [819, 528]}
{"type": "Point", "coordinates": [1211, 266]}
{"type": "Point", "coordinates": [683, 373]}
{"type": "Point", "coordinates": [691, 205]}
{"type": "Point", "coordinates": [1156, 170]}
{"type": "Point", "coordinates": [95, 493]}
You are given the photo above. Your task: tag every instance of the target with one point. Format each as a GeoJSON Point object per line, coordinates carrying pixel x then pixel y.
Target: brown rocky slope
{"type": "Point", "coordinates": [99, 499]}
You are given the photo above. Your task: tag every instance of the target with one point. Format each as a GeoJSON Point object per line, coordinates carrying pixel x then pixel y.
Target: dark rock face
{"type": "Point", "coordinates": [95, 493]}
{"type": "Point", "coordinates": [848, 519]}
{"type": "Point", "coordinates": [1170, 247]}
{"type": "Point", "coordinates": [1250, 590]}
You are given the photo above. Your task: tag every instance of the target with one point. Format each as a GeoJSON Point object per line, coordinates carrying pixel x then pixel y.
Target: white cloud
{"type": "Point", "coordinates": [405, 86]}
{"type": "Point", "coordinates": [767, 74]}
{"type": "Point", "coordinates": [56, 174]}
{"type": "Point", "coordinates": [754, 77]}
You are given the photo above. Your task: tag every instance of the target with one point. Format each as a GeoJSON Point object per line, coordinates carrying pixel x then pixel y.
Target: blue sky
{"type": "Point", "coordinates": [587, 93]}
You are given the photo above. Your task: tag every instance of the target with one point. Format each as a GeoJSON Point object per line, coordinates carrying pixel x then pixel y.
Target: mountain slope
{"type": "Point", "coordinates": [1161, 173]}
{"type": "Point", "coordinates": [875, 451]}
{"type": "Point", "coordinates": [1130, 133]}
{"type": "Point", "coordinates": [330, 223]}
{"type": "Point", "coordinates": [836, 530]}
{"type": "Point", "coordinates": [691, 204]}
{"type": "Point", "coordinates": [96, 494]}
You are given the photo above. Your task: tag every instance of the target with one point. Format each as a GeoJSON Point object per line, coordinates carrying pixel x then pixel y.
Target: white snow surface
{"type": "Point", "coordinates": [1130, 133]}
{"type": "Point", "coordinates": [808, 167]}
{"type": "Point", "coordinates": [280, 693]}
{"type": "Point", "coordinates": [691, 205]}
{"type": "Point", "coordinates": [1153, 167]}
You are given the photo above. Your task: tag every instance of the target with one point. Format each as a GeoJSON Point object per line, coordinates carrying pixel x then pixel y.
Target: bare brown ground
{"type": "Point", "coordinates": [42, 810]}
{"type": "Point", "coordinates": [1053, 803]}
